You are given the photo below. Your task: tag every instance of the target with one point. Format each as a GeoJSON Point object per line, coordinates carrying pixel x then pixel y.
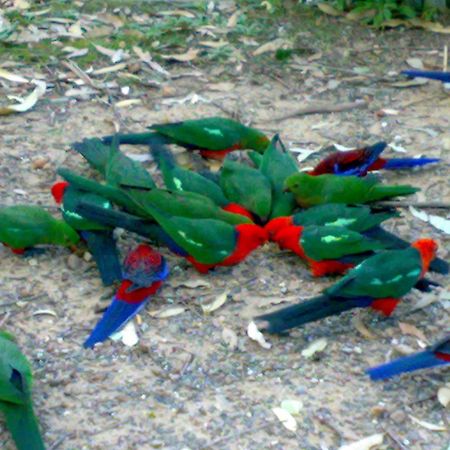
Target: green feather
{"type": "Point", "coordinates": [23, 226]}
{"type": "Point", "coordinates": [95, 152]}
{"type": "Point", "coordinates": [247, 187]}
{"type": "Point", "coordinates": [277, 164]}
{"type": "Point", "coordinates": [312, 190]}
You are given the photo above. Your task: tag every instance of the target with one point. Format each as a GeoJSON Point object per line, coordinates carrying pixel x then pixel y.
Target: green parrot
{"type": "Point", "coordinates": [312, 190]}
{"type": "Point", "coordinates": [215, 137]}
{"type": "Point", "coordinates": [247, 186]}
{"type": "Point", "coordinates": [379, 283]}
{"type": "Point", "coordinates": [278, 164]}
{"type": "Point", "coordinates": [95, 152]}
{"type": "Point", "coordinates": [99, 239]}
{"type": "Point", "coordinates": [15, 395]}
{"type": "Point", "coordinates": [24, 226]}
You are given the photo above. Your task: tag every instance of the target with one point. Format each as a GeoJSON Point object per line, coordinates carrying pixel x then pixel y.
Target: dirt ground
{"type": "Point", "coordinates": [196, 381]}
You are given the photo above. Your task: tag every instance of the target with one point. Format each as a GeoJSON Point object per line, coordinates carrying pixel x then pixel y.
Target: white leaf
{"type": "Point", "coordinates": [444, 395]}
{"type": "Point", "coordinates": [194, 283]}
{"type": "Point", "coordinates": [128, 102]}
{"type": "Point", "coordinates": [292, 406]}
{"type": "Point", "coordinates": [427, 425]}
{"type": "Point", "coordinates": [342, 148]}
{"type": "Point", "coordinates": [271, 46]}
{"type": "Point", "coordinates": [138, 157]}
{"type": "Point", "coordinates": [127, 335]}
{"type": "Point", "coordinates": [167, 312]}
{"type": "Point", "coordinates": [286, 419]}
{"type": "Point", "coordinates": [304, 153]}
{"type": "Point", "coordinates": [28, 102]}
{"type": "Point", "coordinates": [316, 346]}
{"type": "Point", "coordinates": [216, 304]}
{"type": "Point", "coordinates": [230, 338]}
{"type": "Point", "coordinates": [368, 443]}
{"type": "Point", "coordinates": [256, 335]}
{"type": "Point", "coordinates": [436, 221]}
{"type": "Point", "coordinates": [397, 148]}
{"type": "Point", "coordinates": [12, 76]}
{"type": "Point", "coordinates": [415, 63]}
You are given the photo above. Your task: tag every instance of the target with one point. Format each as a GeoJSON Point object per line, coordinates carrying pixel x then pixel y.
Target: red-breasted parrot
{"type": "Point", "coordinates": [99, 239]}
{"type": "Point", "coordinates": [379, 282]}
{"type": "Point", "coordinates": [144, 270]}
{"type": "Point", "coordinates": [430, 74]}
{"type": "Point", "coordinates": [360, 161]}
{"type": "Point", "coordinates": [248, 187]}
{"type": "Point", "coordinates": [327, 249]}
{"type": "Point", "coordinates": [15, 395]}
{"type": "Point", "coordinates": [277, 164]}
{"type": "Point", "coordinates": [433, 356]}
{"type": "Point", "coordinates": [176, 178]}
{"type": "Point", "coordinates": [312, 190]}
{"type": "Point", "coordinates": [208, 243]}
{"type": "Point", "coordinates": [215, 137]}
{"type": "Point", "coordinates": [24, 226]}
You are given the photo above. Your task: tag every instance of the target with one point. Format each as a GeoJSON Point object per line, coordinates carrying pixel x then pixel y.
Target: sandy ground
{"type": "Point", "coordinates": [196, 381]}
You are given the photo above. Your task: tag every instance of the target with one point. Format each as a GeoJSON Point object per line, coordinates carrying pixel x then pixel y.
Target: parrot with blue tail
{"type": "Point", "coordinates": [363, 160]}
{"type": "Point", "coordinates": [144, 270]}
{"type": "Point", "coordinates": [431, 75]}
{"type": "Point", "coordinates": [378, 282]}
{"type": "Point", "coordinates": [433, 356]}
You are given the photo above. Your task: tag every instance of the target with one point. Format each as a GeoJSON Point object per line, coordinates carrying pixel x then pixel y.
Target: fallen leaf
{"type": "Point", "coordinates": [114, 55]}
{"type": "Point", "coordinates": [139, 157]}
{"type": "Point", "coordinates": [194, 283]}
{"type": "Point", "coordinates": [147, 59]}
{"type": "Point", "coordinates": [214, 44]}
{"type": "Point", "coordinates": [190, 55]}
{"type": "Point", "coordinates": [232, 20]}
{"type": "Point", "coordinates": [128, 102]}
{"type": "Point", "coordinates": [316, 346]}
{"type": "Point", "coordinates": [216, 304]}
{"type": "Point", "coordinates": [12, 76]}
{"type": "Point", "coordinates": [177, 12]}
{"type": "Point", "coordinates": [167, 312]}
{"type": "Point", "coordinates": [271, 46]}
{"type": "Point", "coordinates": [255, 335]}
{"type": "Point", "coordinates": [45, 312]}
{"type": "Point", "coordinates": [221, 87]}
{"type": "Point", "coordinates": [368, 443]}
{"type": "Point", "coordinates": [292, 406]}
{"type": "Point", "coordinates": [397, 148]}
{"type": "Point", "coordinates": [111, 19]}
{"type": "Point", "coordinates": [230, 338]}
{"type": "Point", "coordinates": [109, 69]}
{"type": "Point", "coordinates": [409, 83]}
{"type": "Point", "coordinates": [127, 335]}
{"type": "Point", "coordinates": [75, 52]}
{"type": "Point", "coordinates": [443, 395]}
{"type": "Point", "coordinates": [407, 328]}
{"type": "Point", "coordinates": [28, 102]}
{"type": "Point", "coordinates": [286, 419]}
{"type": "Point", "coordinates": [427, 425]}
{"type": "Point", "coordinates": [415, 63]}
{"type": "Point", "coordinates": [304, 153]}
{"type": "Point", "coordinates": [75, 30]}
{"type": "Point", "coordinates": [21, 4]}
{"type": "Point", "coordinates": [330, 10]}
{"type": "Point", "coordinates": [361, 327]}
{"type": "Point", "coordinates": [436, 221]}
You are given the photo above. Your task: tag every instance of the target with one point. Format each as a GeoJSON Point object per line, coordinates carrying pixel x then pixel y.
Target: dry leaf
{"type": "Point", "coordinates": [271, 46]}
{"type": "Point", "coordinates": [177, 12]}
{"type": "Point", "coordinates": [361, 327]}
{"type": "Point", "coordinates": [397, 148]}
{"type": "Point", "coordinates": [21, 4]}
{"type": "Point", "coordinates": [75, 52]}
{"type": "Point", "coordinates": [221, 87]}
{"type": "Point", "coordinates": [316, 346]}
{"type": "Point", "coordinates": [427, 425]}
{"type": "Point", "coordinates": [436, 221]}
{"type": "Point", "coordinates": [216, 304]}
{"type": "Point", "coordinates": [409, 83]}
{"type": "Point", "coordinates": [328, 9]}
{"type": "Point", "coordinates": [190, 55]}
{"type": "Point", "coordinates": [214, 44]}
{"type": "Point", "coordinates": [28, 102]}
{"type": "Point", "coordinates": [286, 419]}
{"type": "Point", "coordinates": [194, 283]}
{"type": "Point", "coordinates": [255, 335]}
{"type": "Point", "coordinates": [12, 77]}
{"type": "Point", "coordinates": [45, 312]}
{"type": "Point", "coordinates": [147, 59]}
{"type": "Point", "coordinates": [167, 312]}
{"type": "Point", "coordinates": [292, 406]}
{"type": "Point", "coordinates": [75, 30]}
{"type": "Point", "coordinates": [230, 338]}
{"type": "Point", "coordinates": [128, 102]}
{"type": "Point", "coordinates": [407, 328]}
{"type": "Point", "coordinates": [443, 395]}
{"type": "Point", "coordinates": [415, 63]}
{"type": "Point", "coordinates": [232, 21]}
{"type": "Point", "coordinates": [114, 55]}
{"type": "Point", "coordinates": [109, 69]}
{"type": "Point", "coordinates": [368, 443]}
{"type": "Point", "coordinates": [127, 335]}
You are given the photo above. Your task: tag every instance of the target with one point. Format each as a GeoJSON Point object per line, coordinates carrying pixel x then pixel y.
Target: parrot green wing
{"type": "Point", "coordinates": [391, 273]}
{"type": "Point", "coordinates": [95, 152]}
{"type": "Point", "coordinates": [327, 242]}
{"type": "Point", "coordinates": [184, 204]}
{"type": "Point", "coordinates": [277, 164]}
{"type": "Point", "coordinates": [122, 170]}
{"type": "Point", "coordinates": [357, 218]}
{"type": "Point", "coordinates": [247, 187]}
{"type": "Point", "coordinates": [255, 157]}
{"type": "Point", "coordinates": [209, 241]}
{"type": "Point", "coordinates": [23, 226]}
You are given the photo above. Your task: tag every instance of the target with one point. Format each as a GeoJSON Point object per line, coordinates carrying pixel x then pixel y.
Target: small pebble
{"type": "Point", "coordinates": [73, 262]}
{"type": "Point", "coordinates": [398, 416]}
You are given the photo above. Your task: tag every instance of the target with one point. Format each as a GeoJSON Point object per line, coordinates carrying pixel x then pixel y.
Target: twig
{"type": "Point", "coordinates": [430, 205]}
{"type": "Point", "coordinates": [74, 68]}
{"type": "Point", "coordinates": [321, 109]}
{"type": "Point", "coordinates": [445, 63]}
{"type": "Point", "coordinates": [324, 421]}
{"type": "Point", "coordinates": [59, 441]}
{"type": "Point", "coordinates": [398, 443]}
{"type": "Point", "coordinates": [233, 437]}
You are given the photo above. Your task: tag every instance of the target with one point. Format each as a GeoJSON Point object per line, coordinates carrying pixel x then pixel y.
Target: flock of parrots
{"type": "Point", "coordinates": [328, 217]}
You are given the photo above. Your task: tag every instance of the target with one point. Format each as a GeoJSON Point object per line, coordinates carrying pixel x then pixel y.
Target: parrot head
{"type": "Point", "coordinates": [235, 208]}
{"type": "Point", "coordinates": [251, 236]}
{"type": "Point", "coordinates": [58, 191]}
{"type": "Point", "coordinates": [427, 249]}
{"type": "Point", "coordinates": [289, 239]}
{"type": "Point", "coordinates": [277, 224]}
{"type": "Point", "coordinates": [146, 261]}
{"type": "Point", "coordinates": [256, 140]}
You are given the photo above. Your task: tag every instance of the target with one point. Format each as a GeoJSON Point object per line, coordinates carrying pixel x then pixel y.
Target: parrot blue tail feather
{"type": "Point", "coordinates": [405, 163]}
{"type": "Point", "coordinates": [432, 75]}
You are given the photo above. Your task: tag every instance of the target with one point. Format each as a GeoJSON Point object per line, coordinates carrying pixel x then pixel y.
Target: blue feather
{"type": "Point", "coordinates": [404, 163]}
{"type": "Point", "coordinates": [421, 360]}
{"type": "Point", "coordinates": [432, 75]}
{"type": "Point", "coordinates": [114, 318]}
{"type": "Point", "coordinates": [371, 153]}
